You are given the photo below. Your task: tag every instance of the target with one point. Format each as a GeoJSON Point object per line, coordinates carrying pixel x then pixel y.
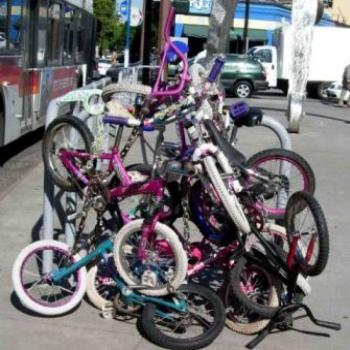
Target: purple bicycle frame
{"type": "Point", "coordinates": [127, 188]}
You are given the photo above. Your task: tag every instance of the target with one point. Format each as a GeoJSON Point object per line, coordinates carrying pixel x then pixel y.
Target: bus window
{"type": "Point", "coordinates": [10, 24]}
{"type": "Point", "coordinates": [54, 34]}
{"type": "Point", "coordinates": [3, 22]}
{"type": "Point", "coordinates": [68, 53]}
{"type": "Point", "coordinates": [80, 33]}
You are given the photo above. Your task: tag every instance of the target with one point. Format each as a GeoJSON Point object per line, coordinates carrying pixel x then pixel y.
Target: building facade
{"type": "Point", "coordinates": [264, 18]}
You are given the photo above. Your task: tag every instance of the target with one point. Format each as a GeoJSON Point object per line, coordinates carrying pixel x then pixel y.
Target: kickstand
{"type": "Point", "coordinates": [279, 321]}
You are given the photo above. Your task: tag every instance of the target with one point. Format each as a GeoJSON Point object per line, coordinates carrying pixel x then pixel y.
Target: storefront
{"type": "Point", "coordinates": [264, 19]}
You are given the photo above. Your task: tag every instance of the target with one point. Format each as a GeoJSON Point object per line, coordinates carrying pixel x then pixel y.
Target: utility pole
{"type": "Point", "coordinates": [220, 22]}
{"type": "Point", "coordinates": [246, 25]}
{"type": "Point", "coordinates": [164, 6]}
{"type": "Point", "coordinates": [145, 39]}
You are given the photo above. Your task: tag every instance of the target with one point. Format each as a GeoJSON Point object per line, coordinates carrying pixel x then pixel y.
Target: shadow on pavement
{"type": "Point", "coordinates": [322, 116]}
{"type": "Point", "coordinates": [12, 149]}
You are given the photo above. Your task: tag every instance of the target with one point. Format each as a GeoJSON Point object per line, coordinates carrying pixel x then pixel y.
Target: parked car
{"type": "Point", "coordinates": [334, 90]}
{"type": "Point", "coordinates": [103, 65]}
{"type": "Point", "coordinates": [242, 75]}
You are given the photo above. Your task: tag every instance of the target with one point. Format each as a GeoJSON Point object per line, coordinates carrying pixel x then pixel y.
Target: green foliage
{"type": "Point", "coordinates": [111, 34]}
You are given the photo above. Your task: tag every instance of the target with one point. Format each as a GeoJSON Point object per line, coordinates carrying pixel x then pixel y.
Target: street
{"type": "Point", "coordinates": [324, 141]}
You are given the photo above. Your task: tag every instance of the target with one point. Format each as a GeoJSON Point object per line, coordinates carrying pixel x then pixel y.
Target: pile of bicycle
{"type": "Point", "coordinates": [261, 228]}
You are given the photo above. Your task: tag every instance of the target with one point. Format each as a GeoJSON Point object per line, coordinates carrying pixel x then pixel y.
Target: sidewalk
{"type": "Point", "coordinates": [324, 142]}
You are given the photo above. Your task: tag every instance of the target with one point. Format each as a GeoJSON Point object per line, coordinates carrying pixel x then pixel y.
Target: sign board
{"type": "Point", "coordinates": [202, 7]}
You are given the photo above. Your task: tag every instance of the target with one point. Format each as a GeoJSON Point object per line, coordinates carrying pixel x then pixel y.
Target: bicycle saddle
{"type": "Point", "coordinates": [243, 115]}
{"type": "Point", "coordinates": [236, 157]}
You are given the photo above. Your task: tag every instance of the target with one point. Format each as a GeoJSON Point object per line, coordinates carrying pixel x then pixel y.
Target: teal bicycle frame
{"type": "Point", "coordinates": [128, 296]}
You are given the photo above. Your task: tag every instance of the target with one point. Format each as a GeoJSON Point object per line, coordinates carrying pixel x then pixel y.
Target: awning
{"type": "Point", "coordinates": [201, 31]}
{"type": "Point", "coordinates": [196, 31]}
{"type": "Point", "coordinates": [253, 34]}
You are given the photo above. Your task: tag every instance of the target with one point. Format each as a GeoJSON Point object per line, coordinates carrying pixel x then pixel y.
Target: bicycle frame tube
{"type": "Point", "coordinates": [130, 297]}
{"type": "Point", "coordinates": [221, 256]}
{"type": "Point", "coordinates": [105, 247]}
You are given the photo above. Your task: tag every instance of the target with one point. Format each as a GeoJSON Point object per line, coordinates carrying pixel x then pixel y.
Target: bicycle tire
{"type": "Point", "coordinates": [174, 243]}
{"type": "Point", "coordinates": [96, 295]}
{"type": "Point", "coordinates": [293, 209]}
{"type": "Point", "coordinates": [309, 180]}
{"type": "Point", "coordinates": [156, 336]}
{"type": "Point", "coordinates": [252, 327]}
{"type": "Point", "coordinates": [112, 89]}
{"type": "Point", "coordinates": [229, 201]}
{"type": "Point", "coordinates": [40, 305]}
{"type": "Point", "coordinates": [64, 183]}
{"type": "Point", "coordinates": [236, 276]}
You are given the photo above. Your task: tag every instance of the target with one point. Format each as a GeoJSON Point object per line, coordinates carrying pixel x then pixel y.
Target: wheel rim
{"type": "Point", "coordinates": [104, 281]}
{"type": "Point", "coordinates": [303, 223]}
{"type": "Point", "coordinates": [159, 268]}
{"type": "Point", "coordinates": [60, 139]}
{"type": "Point", "coordinates": [256, 285]}
{"type": "Point", "coordinates": [296, 180]}
{"type": "Point", "coordinates": [243, 90]}
{"type": "Point", "coordinates": [197, 320]}
{"type": "Point", "coordinates": [40, 287]}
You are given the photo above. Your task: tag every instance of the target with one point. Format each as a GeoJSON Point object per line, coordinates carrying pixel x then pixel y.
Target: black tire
{"type": "Point", "coordinates": [174, 340]}
{"type": "Point", "coordinates": [242, 89]}
{"type": "Point", "coordinates": [2, 128]}
{"type": "Point", "coordinates": [298, 162]}
{"type": "Point", "coordinates": [64, 182]}
{"type": "Point", "coordinates": [308, 203]}
{"type": "Point", "coordinates": [256, 304]}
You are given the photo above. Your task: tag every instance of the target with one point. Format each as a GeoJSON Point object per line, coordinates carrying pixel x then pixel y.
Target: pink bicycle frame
{"type": "Point", "coordinates": [157, 91]}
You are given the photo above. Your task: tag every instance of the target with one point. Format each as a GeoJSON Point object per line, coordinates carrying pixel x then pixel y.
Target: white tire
{"type": "Point", "coordinates": [255, 326]}
{"type": "Point", "coordinates": [21, 291]}
{"type": "Point", "coordinates": [177, 249]}
{"type": "Point", "coordinates": [91, 290]}
{"type": "Point", "coordinates": [229, 201]}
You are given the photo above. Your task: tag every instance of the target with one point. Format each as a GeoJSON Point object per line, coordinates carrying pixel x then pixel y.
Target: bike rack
{"type": "Point", "coordinates": [53, 112]}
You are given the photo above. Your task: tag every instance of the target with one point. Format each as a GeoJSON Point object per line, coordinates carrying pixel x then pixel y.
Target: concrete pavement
{"type": "Point", "coordinates": [324, 141]}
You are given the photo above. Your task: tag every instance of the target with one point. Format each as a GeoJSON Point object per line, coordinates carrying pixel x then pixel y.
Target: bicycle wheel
{"type": "Point", "coordinates": [240, 319]}
{"type": "Point", "coordinates": [288, 173]}
{"type": "Point", "coordinates": [100, 286]}
{"type": "Point", "coordinates": [194, 328]}
{"type": "Point", "coordinates": [254, 288]}
{"type": "Point", "coordinates": [304, 216]}
{"type": "Point", "coordinates": [210, 218]}
{"type": "Point", "coordinates": [166, 259]}
{"type": "Point", "coordinates": [36, 289]}
{"type": "Point", "coordinates": [65, 133]}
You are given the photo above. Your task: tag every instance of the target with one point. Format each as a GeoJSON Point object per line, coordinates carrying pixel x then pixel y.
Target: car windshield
{"type": "Point", "coordinates": [251, 51]}
{"type": "Point", "coordinates": [104, 61]}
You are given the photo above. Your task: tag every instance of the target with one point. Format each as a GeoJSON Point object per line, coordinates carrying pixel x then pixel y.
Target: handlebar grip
{"type": "Point", "coordinates": [215, 70]}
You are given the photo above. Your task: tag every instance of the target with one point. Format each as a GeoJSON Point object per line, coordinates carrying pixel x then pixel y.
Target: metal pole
{"type": "Point", "coordinates": [304, 16]}
{"type": "Point", "coordinates": [127, 38]}
{"type": "Point", "coordinates": [246, 25]}
{"type": "Point", "coordinates": [220, 22]}
{"type": "Point", "coordinates": [146, 43]}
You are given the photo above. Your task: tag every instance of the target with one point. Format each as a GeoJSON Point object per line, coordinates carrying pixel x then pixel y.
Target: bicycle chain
{"type": "Point", "coordinates": [186, 219]}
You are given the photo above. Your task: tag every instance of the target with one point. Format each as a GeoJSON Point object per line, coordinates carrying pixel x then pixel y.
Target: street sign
{"type": "Point", "coordinates": [123, 8]}
{"type": "Point", "coordinates": [136, 17]}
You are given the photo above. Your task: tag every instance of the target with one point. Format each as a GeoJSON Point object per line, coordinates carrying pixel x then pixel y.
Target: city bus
{"type": "Point", "coordinates": [46, 49]}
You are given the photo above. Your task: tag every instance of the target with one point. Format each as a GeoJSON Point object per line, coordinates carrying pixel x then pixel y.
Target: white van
{"type": "Point", "coordinates": [329, 56]}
